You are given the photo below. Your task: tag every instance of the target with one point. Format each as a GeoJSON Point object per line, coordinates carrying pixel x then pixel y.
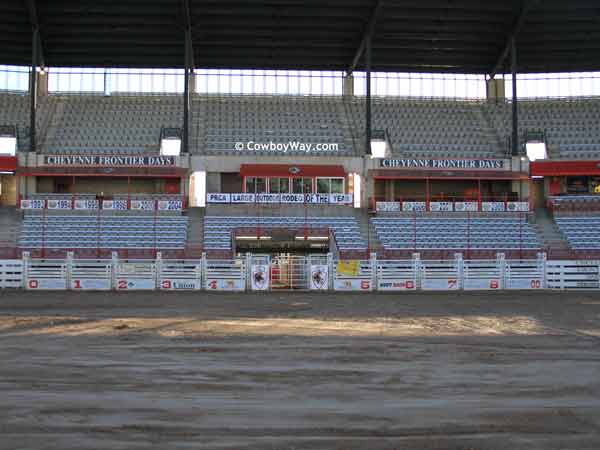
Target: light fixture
{"type": "Point", "coordinates": [379, 145]}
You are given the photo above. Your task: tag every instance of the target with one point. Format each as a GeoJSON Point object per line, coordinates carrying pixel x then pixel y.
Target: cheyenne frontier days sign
{"type": "Point", "coordinates": [109, 161]}
{"type": "Point", "coordinates": [444, 164]}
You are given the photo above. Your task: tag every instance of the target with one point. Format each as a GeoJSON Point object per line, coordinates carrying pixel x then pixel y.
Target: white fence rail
{"type": "Point", "coordinates": [315, 273]}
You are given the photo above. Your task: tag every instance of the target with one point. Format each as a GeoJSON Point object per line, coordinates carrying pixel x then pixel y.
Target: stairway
{"type": "Point", "coordinates": [549, 232]}
{"type": "Point", "coordinates": [195, 233]}
{"type": "Point", "coordinates": [10, 226]}
{"type": "Point", "coordinates": [491, 130]}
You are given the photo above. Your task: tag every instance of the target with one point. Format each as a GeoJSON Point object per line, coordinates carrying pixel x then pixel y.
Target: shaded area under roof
{"type": "Point", "coordinates": [454, 36]}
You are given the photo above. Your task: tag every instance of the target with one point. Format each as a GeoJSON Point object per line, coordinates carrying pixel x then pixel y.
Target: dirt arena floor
{"type": "Point", "coordinates": [300, 371]}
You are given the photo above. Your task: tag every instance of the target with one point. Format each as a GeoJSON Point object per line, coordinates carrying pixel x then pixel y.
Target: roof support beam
{"type": "Point", "coordinates": [366, 36]}
{"type": "Point", "coordinates": [189, 68]}
{"type": "Point", "coordinates": [37, 41]}
{"type": "Point", "coordinates": [526, 6]}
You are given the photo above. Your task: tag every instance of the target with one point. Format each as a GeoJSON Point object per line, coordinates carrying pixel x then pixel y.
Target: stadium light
{"type": "Point", "coordinates": [380, 147]}
{"type": "Point", "coordinates": [536, 151]}
{"type": "Point", "coordinates": [170, 147]}
{"type": "Point", "coordinates": [8, 140]}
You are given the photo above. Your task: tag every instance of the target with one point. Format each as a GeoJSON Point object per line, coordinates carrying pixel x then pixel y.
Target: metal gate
{"type": "Point", "coordinates": [289, 273]}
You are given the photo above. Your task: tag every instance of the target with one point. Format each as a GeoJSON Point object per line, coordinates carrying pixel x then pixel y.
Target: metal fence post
{"type": "Point", "coordinates": [373, 263]}
{"type": "Point", "coordinates": [330, 271]}
{"type": "Point", "coordinates": [69, 272]}
{"type": "Point", "coordinates": [26, 258]}
{"type": "Point", "coordinates": [458, 259]}
{"type": "Point", "coordinates": [158, 270]}
{"type": "Point", "coordinates": [542, 269]}
{"type": "Point", "coordinates": [416, 257]}
{"type": "Point", "coordinates": [114, 263]}
{"type": "Point", "coordinates": [248, 271]}
{"type": "Point", "coordinates": [501, 258]}
{"type": "Point", "coordinates": [203, 271]}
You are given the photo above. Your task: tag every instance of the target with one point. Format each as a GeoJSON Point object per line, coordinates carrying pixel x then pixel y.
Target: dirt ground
{"type": "Point", "coordinates": [300, 371]}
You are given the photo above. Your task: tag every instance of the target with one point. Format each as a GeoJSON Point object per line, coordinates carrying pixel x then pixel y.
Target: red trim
{"type": "Point", "coordinates": [564, 168]}
{"type": "Point", "coordinates": [8, 163]}
{"type": "Point", "coordinates": [288, 170]}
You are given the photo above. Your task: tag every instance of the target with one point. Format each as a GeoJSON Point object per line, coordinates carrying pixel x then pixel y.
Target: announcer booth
{"type": "Point", "coordinates": [567, 185]}
{"type": "Point", "coordinates": [104, 176]}
{"type": "Point", "coordinates": [447, 185]}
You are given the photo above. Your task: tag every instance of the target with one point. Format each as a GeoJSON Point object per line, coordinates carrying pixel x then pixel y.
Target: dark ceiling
{"type": "Point", "coordinates": [462, 36]}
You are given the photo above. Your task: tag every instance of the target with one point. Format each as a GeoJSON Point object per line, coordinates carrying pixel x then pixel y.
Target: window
{"type": "Point", "coordinates": [256, 185]}
{"type": "Point", "coordinates": [330, 185]}
{"type": "Point", "coordinates": [279, 185]}
{"type": "Point", "coordinates": [302, 186]}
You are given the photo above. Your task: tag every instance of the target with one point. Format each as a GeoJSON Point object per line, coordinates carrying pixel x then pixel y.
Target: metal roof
{"type": "Point", "coordinates": [460, 36]}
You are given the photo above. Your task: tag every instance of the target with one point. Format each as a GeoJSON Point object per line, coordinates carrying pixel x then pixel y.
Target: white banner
{"type": "Point", "coordinates": [388, 206]}
{"type": "Point", "coordinates": [33, 204]}
{"type": "Point", "coordinates": [517, 206]}
{"type": "Point", "coordinates": [340, 199]}
{"type": "Point", "coordinates": [319, 277]}
{"type": "Point", "coordinates": [441, 206]}
{"type": "Point", "coordinates": [170, 205]}
{"type": "Point", "coordinates": [414, 206]}
{"type": "Point", "coordinates": [218, 198]}
{"type": "Point", "coordinates": [492, 206]}
{"type": "Point", "coordinates": [142, 205]}
{"type": "Point", "coordinates": [351, 285]}
{"type": "Point", "coordinates": [396, 285]}
{"type": "Point", "coordinates": [466, 206]}
{"type": "Point", "coordinates": [260, 277]}
{"type": "Point", "coordinates": [117, 205]}
{"type": "Point", "coordinates": [439, 284]}
{"type": "Point", "coordinates": [135, 284]}
{"type": "Point", "coordinates": [91, 284]}
{"type": "Point", "coordinates": [267, 198]}
{"type": "Point", "coordinates": [481, 284]}
{"type": "Point", "coordinates": [50, 284]}
{"type": "Point", "coordinates": [59, 204]}
{"type": "Point", "coordinates": [242, 198]}
{"type": "Point", "coordinates": [219, 284]}
{"type": "Point", "coordinates": [178, 284]}
{"type": "Point", "coordinates": [292, 198]}
{"type": "Point", "coordinates": [524, 283]}
{"type": "Point", "coordinates": [87, 204]}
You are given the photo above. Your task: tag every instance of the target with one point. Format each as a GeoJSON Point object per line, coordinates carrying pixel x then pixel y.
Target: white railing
{"type": "Point", "coordinates": [314, 272]}
{"type": "Point", "coordinates": [452, 206]}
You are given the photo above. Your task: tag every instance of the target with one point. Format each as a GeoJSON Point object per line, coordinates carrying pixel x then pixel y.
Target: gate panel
{"type": "Point", "coordinates": [259, 273]}
{"type": "Point", "coordinates": [180, 275]}
{"type": "Point", "coordinates": [135, 275]}
{"type": "Point", "coordinates": [573, 274]}
{"type": "Point", "coordinates": [91, 275]}
{"type": "Point", "coordinates": [482, 275]}
{"type": "Point", "coordinates": [11, 273]}
{"type": "Point", "coordinates": [401, 275]}
{"type": "Point", "coordinates": [225, 275]}
{"type": "Point", "coordinates": [41, 274]}
{"type": "Point", "coordinates": [319, 275]}
{"type": "Point", "coordinates": [440, 275]}
{"type": "Point", "coordinates": [353, 275]}
{"type": "Point", "coordinates": [525, 275]}
{"type": "Point", "coordinates": [289, 273]}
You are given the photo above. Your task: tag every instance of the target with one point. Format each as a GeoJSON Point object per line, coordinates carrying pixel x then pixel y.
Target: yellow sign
{"type": "Point", "coordinates": [350, 267]}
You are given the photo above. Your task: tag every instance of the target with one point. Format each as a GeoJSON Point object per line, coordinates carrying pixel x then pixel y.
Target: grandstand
{"type": "Point", "coordinates": [280, 137]}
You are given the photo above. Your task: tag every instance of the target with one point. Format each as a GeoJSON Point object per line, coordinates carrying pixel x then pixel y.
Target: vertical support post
{"type": "Point", "coordinates": [69, 274]}
{"type": "Point", "coordinates": [330, 269]}
{"type": "Point", "coordinates": [542, 268]}
{"type": "Point", "coordinates": [417, 269]}
{"type": "Point", "coordinates": [368, 94]}
{"type": "Point", "coordinates": [114, 263]}
{"type": "Point", "coordinates": [158, 267]}
{"type": "Point", "coordinates": [515, 104]}
{"type": "Point", "coordinates": [501, 261]}
{"type": "Point", "coordinates": [33, 90]}
{"type": "Point", "coordinates": [203, 271]}
{"type": "Point", "coordinates": [458, 258]}
{"type": "Point", "coordinates": [373, 264]}
{"type": "Point", "coordinates": [26, 259]}
{"type": "Point", "coordinates": [427, 195]}
{"type": "Point", "coordinates": [249, 271]}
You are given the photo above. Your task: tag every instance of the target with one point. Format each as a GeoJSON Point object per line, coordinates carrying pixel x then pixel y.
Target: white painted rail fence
{"type": "Point", "coordinates": [316, 273]}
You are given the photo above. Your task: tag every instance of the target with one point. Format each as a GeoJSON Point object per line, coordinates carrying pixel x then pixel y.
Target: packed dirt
{"type": "Point", "coordinates": [300, 371]}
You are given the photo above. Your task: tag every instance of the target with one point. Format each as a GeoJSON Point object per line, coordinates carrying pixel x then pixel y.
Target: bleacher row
{"type": "Point", "coordinates": [218, 229]}
{"type": "Point", "coordinates": [436, 128]}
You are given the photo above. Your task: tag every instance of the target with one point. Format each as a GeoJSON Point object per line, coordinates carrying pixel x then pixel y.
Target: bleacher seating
{"type": "Point", "coordinates": [218, 229]}
{"type": "Point", "coordinates": [430, 128]}
{"type": "Point", "coordinates": [114, 231]}
{"type": "Point", "coordinates": [574, 203]}
{"type": "Point", "coordinates": [581, 232]}
{"type": "Point", "coordinates": [263, 119]}
{"type": "Point", "coordinates": [455, 233]}
{"type": "Point", "coordinates": [570, 124]}
{"type": "Point", "coordinates": [113, 125]}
